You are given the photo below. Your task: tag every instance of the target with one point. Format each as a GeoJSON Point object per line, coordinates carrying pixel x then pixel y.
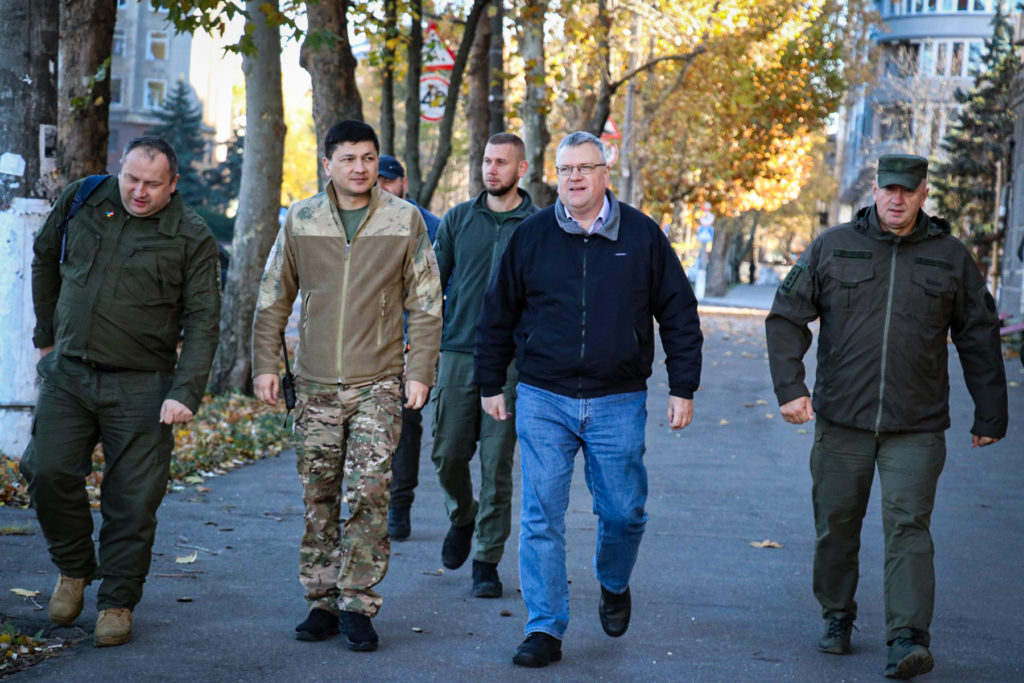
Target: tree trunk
{"type": "Point", "coordinates": [604, 94]}
{"type": "Point", "coordinates": [478, 113]}
{"type": "Point", "coordinates": [28, 107]}
{"type": "Point", "coordinates": [28, 96]}
{"type": "Point", "coordinates": [717, 283]}
{"type": "Point", "coordinates": [497, 61]}
{"type": "Point", "coordinates": [444, 148]}
{"type": "Point", "coordinates": [387, 86]}
{"type": "Point", "coordinates": [535, 102]}
{"type": "Point", "coordinates": [83, 83]}
{"type": "Point", "coordinates": [627, 156]}
{"type": "Point", "coordinates": [413, 167]}
{"type": "Point", "coordinates": [259, 201]}
{"type": "Point", "coordinates": [332, 69]}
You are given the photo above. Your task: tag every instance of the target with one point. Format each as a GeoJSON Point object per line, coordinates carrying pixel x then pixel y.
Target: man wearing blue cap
{"type": "Point", "coordinates": [887, 288]}
{"type": "Point", "coordinates": [405, 464]}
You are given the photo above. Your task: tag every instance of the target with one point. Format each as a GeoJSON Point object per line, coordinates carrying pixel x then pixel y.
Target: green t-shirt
{"type": "Point", "coordinates": [500, 216]}
{"type": "Point", "coordinates": [351, 218]}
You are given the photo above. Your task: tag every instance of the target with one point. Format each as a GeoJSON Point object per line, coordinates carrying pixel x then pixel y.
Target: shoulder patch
{"type": "Point", "coordinates": [795, 273]}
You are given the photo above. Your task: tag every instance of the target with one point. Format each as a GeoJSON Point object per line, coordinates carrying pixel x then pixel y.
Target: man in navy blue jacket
{"type": "Point", "coordinates": [574, 301]}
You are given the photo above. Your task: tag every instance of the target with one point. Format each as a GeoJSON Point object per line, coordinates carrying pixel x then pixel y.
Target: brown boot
{"type": "Point", "coordinates": [114, 627]}
{"type": "Point", "coordinates": [67, 599]}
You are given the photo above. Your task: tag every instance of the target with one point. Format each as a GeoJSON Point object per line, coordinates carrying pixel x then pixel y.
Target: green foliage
{"type": "Point", "coordinates": [213, 17]}
{"type": "Point", "coordinates": [181, 124]}
{"type": "Point", "coordinates": [84, 101]}
{"type": "Point", "coordinates": [964, 186]}
{"type": "Point", "coordinates": [19, 651]}
{"type": "Point", "coordinates": [223, 228]}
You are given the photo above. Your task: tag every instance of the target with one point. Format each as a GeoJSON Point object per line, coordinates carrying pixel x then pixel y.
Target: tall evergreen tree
{"type": "Point", "coordinates": [964, 187]}
{"type": "Point", "coordinates": [222, 182]}
{"type": "Point", "coordinates": [181, 124]}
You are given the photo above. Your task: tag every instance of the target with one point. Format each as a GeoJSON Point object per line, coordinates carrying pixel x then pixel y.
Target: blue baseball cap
{"type": "Point", "coordinates": [389, 167]}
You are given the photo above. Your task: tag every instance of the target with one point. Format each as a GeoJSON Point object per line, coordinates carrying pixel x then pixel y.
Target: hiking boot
{"type": "Point", "coordinates": [319, 625]}
{"type": "Point", "coordinates": [908, 658]}
{"type": "Point", "coordinates": [360, 635]}
{"type": "Point", "coordinates": [486, 583]}
{"type": "Point", "coordinates": [836, 639]}
{"type": "Point", "coordinates": [614, 610]}
{"type": "Point", "coordinates": [67, 599]}
{"type": "Point", "coordinates": [114, 627]}
{"type": "Point", "coordinates": [457, 545]}
{"type": "Point", "coordinates": [539, 649]}
{"type": "Point", "coordinates": [399, 526]}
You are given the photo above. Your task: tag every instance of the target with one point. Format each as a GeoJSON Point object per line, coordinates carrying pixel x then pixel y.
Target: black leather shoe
{"type": "Point", "coordinates": [320, 624]}
{"type": "Point", "coordinates": [457, 545]}
{"type": "Point", "coordinates": [614, 610]}
{"type": "Point", "coordinates": [486, 583]}
{"type": "Point", "coordinates": [360, 635]}
{"type": "Point", "coordinates": [399, 526]}
{"type": "Point", "coordinates": [539, 649]}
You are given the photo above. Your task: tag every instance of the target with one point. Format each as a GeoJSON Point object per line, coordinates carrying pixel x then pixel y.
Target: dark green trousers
{"type": "Point", "coordinates": [843, 463]}
{"type": "Point", "coordinates": [459, 423]}
{"type": "Point", "coordinates": [77, 407]}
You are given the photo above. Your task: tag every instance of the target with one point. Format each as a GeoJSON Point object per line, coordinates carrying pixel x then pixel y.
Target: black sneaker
{"type": "Point", "coordinates": [908, 658]}
{"type": "Point", "coordinates": [539, 649]}
{"type": "Point", "coordinates": [836, 639]}
{"type": "Point", "coordinates": [486, 583]}
{"type": "Point", "coordinates": [399, 526]}
{"type": "Point", "coordinates": [457, 545]}
{"type": "Point", "coordinates": [360, 635]}
{"type": "Point", "coordinates": [320, 624]}
{"type": "Point", "coordinates": [614, 610]}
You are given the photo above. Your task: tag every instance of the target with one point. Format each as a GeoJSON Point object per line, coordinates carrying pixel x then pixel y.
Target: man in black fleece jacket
{"type": "Point", "coordinates": [574, 301]}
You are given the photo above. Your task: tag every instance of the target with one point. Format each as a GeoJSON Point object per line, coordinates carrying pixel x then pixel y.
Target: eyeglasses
{"type": "Point", "coordinates": [584, 169]}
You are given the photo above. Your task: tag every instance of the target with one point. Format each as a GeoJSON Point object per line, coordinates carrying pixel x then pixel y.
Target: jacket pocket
{"type": "Point", "coordinates": [83, 246]}
{"type": "Point", "coordinates": [933, 293]}
{"type": "Point", "coordinates": [382, 317]}
{"type": "Point", "coordinates": [849, 276]}
{"type": "Point", "coordinates": [152, 273]}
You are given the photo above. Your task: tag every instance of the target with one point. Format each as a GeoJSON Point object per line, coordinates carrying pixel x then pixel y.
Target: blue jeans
{"type": "Point", "coordinates": [552, 429]}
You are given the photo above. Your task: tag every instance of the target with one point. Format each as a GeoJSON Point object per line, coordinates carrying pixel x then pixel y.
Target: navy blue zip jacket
{"type": "Point", "coordinates": [577, 311]}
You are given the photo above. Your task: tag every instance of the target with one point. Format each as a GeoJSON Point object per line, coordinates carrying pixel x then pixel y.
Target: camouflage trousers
{"type": "Point", "coordinates": [346, 434]}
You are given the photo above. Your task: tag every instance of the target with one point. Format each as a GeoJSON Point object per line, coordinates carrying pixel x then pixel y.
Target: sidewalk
{"type": "Point", "coordinates": [707, 605]}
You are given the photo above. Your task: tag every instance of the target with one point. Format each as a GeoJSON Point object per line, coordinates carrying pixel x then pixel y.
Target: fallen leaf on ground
{"type": "Point", "coordinates": [505, 613]}
{"type": "Point", "coordinates": [417, 629]}
{"type": "Point", "coordinates": [765, 544]}
{"type": "Point", "coordinates": [436, 572]}
{"type": "Point", "coordinates": [184, 598]}
{"type": "Point", "coordinates": [24, 593]}
{"type": "Point", "coordinates": [801, 431]}
{"type": "Point", "coordinates": [723, 422]}
{"type": "Point", "coordinates": [203, 489]}
{"type": "Point", "coordinates": [1014, 384]}
{"type": "Point", "coordinates": [187, 559]}
{"type": "Point", "coordinates": [762, 402]}
{"type": "Point", "coordinates": [769, 415]}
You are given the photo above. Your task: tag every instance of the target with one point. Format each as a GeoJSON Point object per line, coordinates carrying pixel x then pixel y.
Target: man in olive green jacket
{"type": "Point", "coordinates": [887, 288]}
{"type": "Point", "coordinates": [113, 292]}
{"type": "Point", "coordinates": [470, 241]}
{"type": "Point", "coordinates": [362, 259]}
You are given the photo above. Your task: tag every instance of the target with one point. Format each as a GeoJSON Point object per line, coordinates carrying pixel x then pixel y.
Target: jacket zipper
{"type": "Point", "coordinates": [583, 317]}
{"type": "Point", "coordinates": [341, 320]}
{"type": "Point", "coordinates": [885, 336]}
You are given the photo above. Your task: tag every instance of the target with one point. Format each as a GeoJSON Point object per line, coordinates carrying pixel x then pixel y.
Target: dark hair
{"type": "Point", "coordinates": [349, 131]}
{"type": "Point", "coordinates": [509, 139]}
{"type": "Point", "coordinates": [155, 146]}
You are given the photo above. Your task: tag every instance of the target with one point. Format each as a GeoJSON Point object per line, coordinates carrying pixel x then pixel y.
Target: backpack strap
{"type": "Point", "coordinates": [84, 190]}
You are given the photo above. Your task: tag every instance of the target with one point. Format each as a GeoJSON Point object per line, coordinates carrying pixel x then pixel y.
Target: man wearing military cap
{"type": "Point", "coordinates": [887, 288]}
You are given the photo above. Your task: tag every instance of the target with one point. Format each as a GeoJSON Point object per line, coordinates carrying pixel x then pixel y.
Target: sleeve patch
{"type": "Point", "coordinates": [795, 273]}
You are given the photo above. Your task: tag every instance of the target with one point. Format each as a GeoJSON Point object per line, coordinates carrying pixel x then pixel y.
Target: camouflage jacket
{"type": "Point", "coordinates": [354, 294]}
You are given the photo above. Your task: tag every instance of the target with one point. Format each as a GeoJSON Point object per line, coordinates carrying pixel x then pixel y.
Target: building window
{"type": "Point", "coordinates": [117, 47]}
{"type": "Point", "coordinates": [113, 141]}
{"type": "Point", "coordinates": [157, 50]}
{"type": "Point", "coordinates": [121, 4]}
{"type": "Point", "coordinates": [956, 66]}
{"type": "Point", "coordinates": [975, 52]}
{"type": "Point", "coordinates": [155, 92]}
{"type": "Point", "coordinates": [116, 91]}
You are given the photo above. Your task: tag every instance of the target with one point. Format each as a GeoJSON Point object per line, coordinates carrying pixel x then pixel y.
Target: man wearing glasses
{"type": "Point", "coordinates": [574, 301]}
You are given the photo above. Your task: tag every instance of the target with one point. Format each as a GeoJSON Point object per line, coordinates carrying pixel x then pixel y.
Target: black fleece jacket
{"type": "Point", "coordinates": [576, 310]}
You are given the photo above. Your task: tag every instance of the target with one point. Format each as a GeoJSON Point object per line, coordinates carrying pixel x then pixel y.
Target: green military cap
{"type": "Point", "coordinates": [907, 170]}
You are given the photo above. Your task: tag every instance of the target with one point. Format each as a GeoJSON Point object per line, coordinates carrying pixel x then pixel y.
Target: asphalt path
{"type": "Point", "coordinates": [707, 605]}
